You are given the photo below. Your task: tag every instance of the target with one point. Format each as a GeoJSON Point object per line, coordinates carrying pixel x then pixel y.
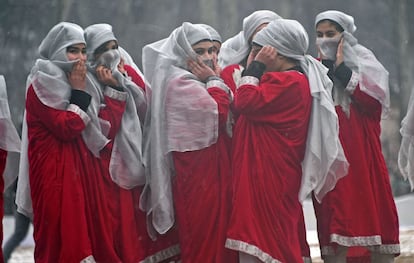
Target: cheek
{"type": "Point", "coordinates": [71, 56]}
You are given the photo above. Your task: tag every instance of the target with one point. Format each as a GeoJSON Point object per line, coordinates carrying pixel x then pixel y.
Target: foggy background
{"type": "Point", "coordinates": [384, 26]}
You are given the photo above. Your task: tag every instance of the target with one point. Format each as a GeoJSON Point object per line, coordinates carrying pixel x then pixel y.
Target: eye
{"type": "Point", "coordinates": [211, 50]}
{"type": "Point", "coordinates": [199, 51]}
{"type": "Point", "coordinates": [72, 50]}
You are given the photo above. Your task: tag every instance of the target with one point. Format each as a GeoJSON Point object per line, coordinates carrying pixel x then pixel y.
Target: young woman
{"type": "Point", "coordinates": [57, 136]}
{"type": "Point", "coordinates": [359, 216]}
{"type": "Point", "coordinates": [188, 155]}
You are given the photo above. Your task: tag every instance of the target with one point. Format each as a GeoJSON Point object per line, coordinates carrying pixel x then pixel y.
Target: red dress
{"type": "Point", "coordinates": [202, 195]}
{"type": "Point", "coordinates": [269, 144]}
{"type": "Point", "coordinates": [3, 156]}
{"type": "Point", "coordinates": [55, 152]}
{"type": "Point", "coordinates": [360, 211]}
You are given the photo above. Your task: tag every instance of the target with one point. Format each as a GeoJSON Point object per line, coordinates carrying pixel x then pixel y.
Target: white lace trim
{"type": "Point", "coordinates": [115, 94]}
{"type": "Point", "coordinates": [386, 249]}
{"type": "Point", "coordinates": [249, 80]}
{"type": "Point", "coordinates": [89, 259]}
{"type": "Point", "coordinates": [75, 109]}
{"type": "Point", "coordinates": [372, 243]}
{"type": "Point", "coordinates": [362, 241]}
{"type": "Point", "coordinates": [353, 82]}
{"type": "Point", "coordinates": [215, 83]}
{"type": "Point", "coordinates": [250, 249]}
{"type": "Point", "coordinates": [163, 255]}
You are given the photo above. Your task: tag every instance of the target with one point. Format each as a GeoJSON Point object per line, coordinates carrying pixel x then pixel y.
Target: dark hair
{"type": "Point", "coordinates": [337, 26]}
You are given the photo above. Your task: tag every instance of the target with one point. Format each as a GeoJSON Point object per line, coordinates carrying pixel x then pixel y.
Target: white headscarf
{"type": "Point", "coordinates": [183, 116]}
{"type": "Point", "coordinates": [406, 153]}
{"type": "Point", "coordinates": [9, 140]}
{"type": "Point", "coordinates": [126, 165]}
{"type": "Point", "coordinates": [235, 49]}
{"type": "Point", "coordinates": [49, 81]}
{"type": "Point", "coordinates": [324, 162]}
{"type": "Point", "coordinates": [215, 36]}
{"type": "Point", "coordinates": [372, 76]}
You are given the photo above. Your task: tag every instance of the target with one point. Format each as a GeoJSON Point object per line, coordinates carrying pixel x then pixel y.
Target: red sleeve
{"type": "Point", "coordinates": [112, 112]}
{"type": "Point", "coordinates": [278, 96]}
{"type": "Point", "coordinates": [135, 77]}
{"type": "Point", "coordinates": [227, 76]}
{"type": "Point", "coordinates": [366, 104]}
{"type": "Point", "coordinates": [65, 125]}
{"type": "Point", "coordinates": [223, 103]}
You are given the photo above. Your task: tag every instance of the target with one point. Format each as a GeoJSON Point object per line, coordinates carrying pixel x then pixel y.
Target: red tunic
{"type": "Point", "coordinates": [360, 211]}
{"type": "Point", "coordinates": [202, 195]}
{"type": "Point", "coordinates": [3, 156]}
{"type": "Point", "coordinates": [268, 147]}
{"type": "Point", "coordinates": [55, 152]}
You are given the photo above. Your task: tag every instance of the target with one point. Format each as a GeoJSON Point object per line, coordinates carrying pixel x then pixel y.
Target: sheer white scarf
{"type": "Point", "coordinates": [324, 162]}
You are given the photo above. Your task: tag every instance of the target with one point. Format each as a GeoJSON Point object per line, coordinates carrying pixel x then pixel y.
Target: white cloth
{"type": "Point", "coordinates": [182, 117]}
{"type": "Point", "coordinates": [235, 49]}
{"type": "Point", "coordinates": [49, 81]}
{"type": "Point", "coordinates": [126, 164]}
{"type": "Point", "coordinates": [324, 162]}
{"type": "Point", "coordinates": [372, 76]}
{"type": "Point", "coordinates": [9, 139]}
{"type": "Point", "coordinates": [406, 153]}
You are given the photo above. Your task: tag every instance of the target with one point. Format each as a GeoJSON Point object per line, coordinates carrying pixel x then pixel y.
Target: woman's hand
{"type": "Point", "coordinates": [267, 55]}
{"type": "Point", "coordinates": [200, 70]}
{"type": "Point", "coordinates": [77, 76]}
{"type": "Point", "coordinates": [104, 76]}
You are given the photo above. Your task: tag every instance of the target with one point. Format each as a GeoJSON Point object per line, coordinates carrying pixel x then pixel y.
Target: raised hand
{"type": "Point", "coordinates": [200, 70]}
{"type": "Point", "coordinates": [77, 76]}
{"type": "Point", "coordinates": [267, 55]}
{"type": "Point", "coordinates": [104, 76]}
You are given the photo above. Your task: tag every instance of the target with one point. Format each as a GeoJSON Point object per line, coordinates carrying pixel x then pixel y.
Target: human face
{"type": "Point", "coordinates": [205, 49]}
{"type": "Point", "coordinates": [216, 49]}
{"type": "Point", "coordinates": [326, 29]}
{"type": "Point", "coordinates": [112, 44]}
{"type": "Point", "coordinates": [76, 52]}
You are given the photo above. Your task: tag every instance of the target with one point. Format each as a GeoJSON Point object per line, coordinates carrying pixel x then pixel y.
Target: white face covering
{"type": "Point", "coordinates": [328, 46]}
{"type": "Point", "coordinates": [109, 59]}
